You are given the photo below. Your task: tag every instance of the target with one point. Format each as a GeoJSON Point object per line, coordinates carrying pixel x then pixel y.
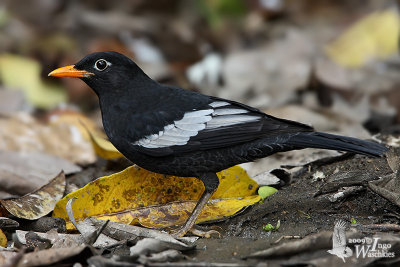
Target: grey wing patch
{"type": "Point", "coordinates": [179, 132]}
{"type": "Point", "coordinates": [221, 115]}
{"type": "Point", "coordinates": [217, 104]}
{"type": "Point", "coordinates": [228, 111]}
{"type": "Point", "coordinates": [227, 115]}
{"type": "Point", "coordinates": [229, 120]}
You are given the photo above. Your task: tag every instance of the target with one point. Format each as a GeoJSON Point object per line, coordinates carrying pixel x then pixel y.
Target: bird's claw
{"type": "Point", "coordinates": [178, 233]}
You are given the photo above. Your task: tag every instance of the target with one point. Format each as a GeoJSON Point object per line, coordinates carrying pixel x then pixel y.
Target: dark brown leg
{"type": "Point", "coordinates": [211, 183]}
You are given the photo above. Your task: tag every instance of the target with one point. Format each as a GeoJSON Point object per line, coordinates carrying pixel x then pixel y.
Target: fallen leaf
{"type": "Point", "coordinates": [39, 93]}
{"type": "Point", "coordinates": [270, 228]}
{"type": "Point", "coordinates": [59, 240]}
{"type": "Point", "coordinates": [136, 195]}
{"type": "Point", "coordinates": [177, 212]}
{"type": "Point", "coordinates": [266, 191]}
{"type": "Point", "coordinates": [38, 203]}
{"type": "Point", "coordinates": [3, 239]}
{"type": "Point", "coordinates": [234, 182]}
{"type": "Point", "coordinates": [147, 246]}
{"type": "Point", "coordinates": [373, 37]}
{"type": "Point", "coordinates": [23, 133]}
{"type": "Point", "coordinates": [82, 123]}
{"type": "Point", "coordinates": [104, 148]}
{"type": "Point", "coordinates": [55, 255]}
{"type": "Point", "coordinates": [121, 231]}
{"type": "Point", "coordinates": [23, 172]}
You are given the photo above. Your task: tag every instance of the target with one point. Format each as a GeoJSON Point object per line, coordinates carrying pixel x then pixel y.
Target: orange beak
{"type": "Point", "coordinates": [70, 71]}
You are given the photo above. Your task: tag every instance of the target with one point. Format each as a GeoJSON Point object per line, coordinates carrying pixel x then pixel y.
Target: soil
{"type": "Point", "coordinates": [299, 212]}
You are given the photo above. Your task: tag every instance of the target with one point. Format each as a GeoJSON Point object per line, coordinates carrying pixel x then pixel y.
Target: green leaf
{"type": "Point", "coordinates": [270, 228]}
{"type": "Point", "coordinates": [266, 191]}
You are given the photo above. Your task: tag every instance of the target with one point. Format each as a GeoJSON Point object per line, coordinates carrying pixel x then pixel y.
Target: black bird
{"type": "Point", "coordinates": [168, 130]}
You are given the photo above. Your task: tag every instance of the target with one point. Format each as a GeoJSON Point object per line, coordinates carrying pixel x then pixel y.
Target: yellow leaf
{"type": "Point", "coordinates": [24, 74]}
{"type": "Point", "coordinates": [177, 212]}
{"type": "Point", "coordinates": [136, 195]}
{"type": "Point", "coordinates": [3, 239]}
{"type": "Point", "coordinates": [104, 148]}
{"type": "Point", "coordinates": [234, 182]}
{"type": "Point", "coordinates": [373, 37]}
{"type": "Point", "coordinates": [89, 131]}
{"type": "Point", "coordinates": [39, 203]}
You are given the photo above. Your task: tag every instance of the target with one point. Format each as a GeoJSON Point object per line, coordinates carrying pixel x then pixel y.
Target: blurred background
{"type": "Point", "coordinates": [331, 64]}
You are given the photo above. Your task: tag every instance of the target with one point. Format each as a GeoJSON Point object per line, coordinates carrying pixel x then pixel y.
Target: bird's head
{"type": "Point", "coordinates": [103, 71]}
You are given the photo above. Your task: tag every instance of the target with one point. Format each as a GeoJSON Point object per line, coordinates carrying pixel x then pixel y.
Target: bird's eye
{"type": "Point", "coordinates": [101, 64]}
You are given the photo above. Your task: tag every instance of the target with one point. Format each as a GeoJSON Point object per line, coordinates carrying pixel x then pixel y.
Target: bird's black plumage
{"type": "Point", "coordinates": [169, 130]}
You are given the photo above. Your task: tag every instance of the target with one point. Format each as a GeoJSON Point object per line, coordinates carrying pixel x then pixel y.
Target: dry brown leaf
{"type": "Point", "coordinates": [38, 203]}
{"type": "Point", "coordinates": [24, 133]}
{"type": "Point", "coordinates": [59, 240]}
{"type": "Point", "coordinates": [80, 121]}
{"type": "Point", "coordinates": [23, 172]}
{"type": "Point", "coordinates": [53, 256]}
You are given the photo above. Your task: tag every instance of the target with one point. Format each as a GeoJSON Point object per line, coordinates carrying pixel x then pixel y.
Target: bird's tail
{"type": "Point", "coordinates": [337, 142]}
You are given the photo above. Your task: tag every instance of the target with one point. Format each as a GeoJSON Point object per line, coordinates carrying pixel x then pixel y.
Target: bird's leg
{"type": "Point", "coordinates": [211, 182]}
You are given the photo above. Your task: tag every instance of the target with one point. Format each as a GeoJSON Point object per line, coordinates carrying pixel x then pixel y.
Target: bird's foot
{"type": "Point", "coordinates": [180, 232]}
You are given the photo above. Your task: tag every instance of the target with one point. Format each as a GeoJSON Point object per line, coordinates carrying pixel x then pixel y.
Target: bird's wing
{"type": "Point", "coordinates": [218, 124]}
{"type": "Point", "coordinates": [339, 235]}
